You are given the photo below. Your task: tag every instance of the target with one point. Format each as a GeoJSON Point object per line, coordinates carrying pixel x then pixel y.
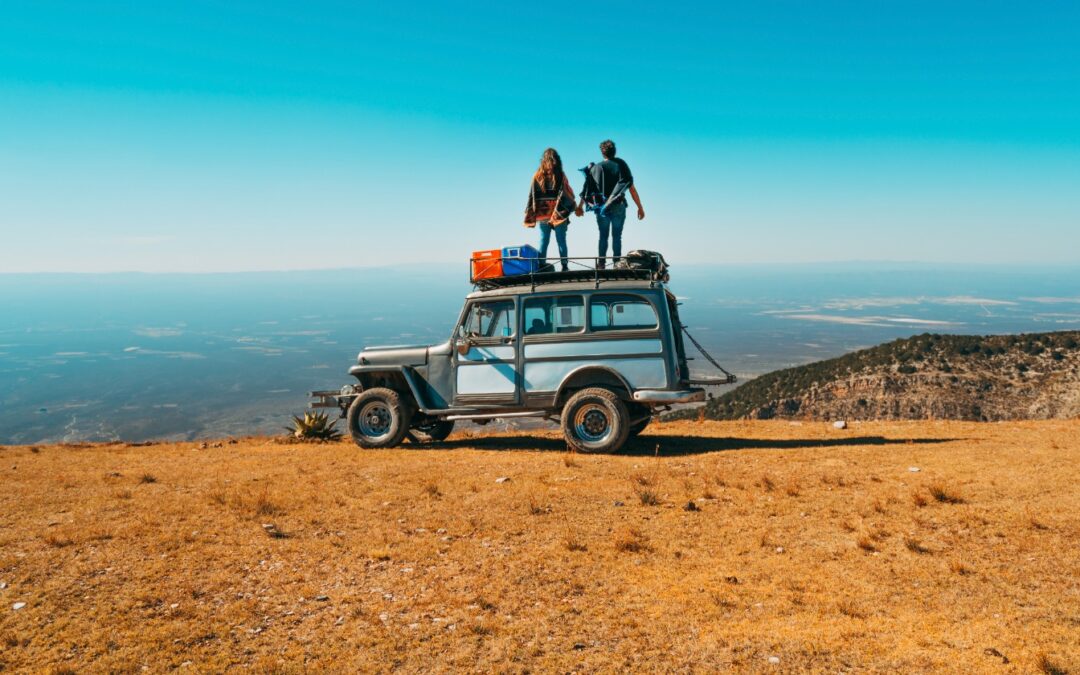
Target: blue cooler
{"type": "Point", "coordinates": [528, 260]}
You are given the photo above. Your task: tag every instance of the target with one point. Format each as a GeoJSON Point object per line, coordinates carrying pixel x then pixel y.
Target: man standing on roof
{"type": "Point", "coordinates": [604, 192]}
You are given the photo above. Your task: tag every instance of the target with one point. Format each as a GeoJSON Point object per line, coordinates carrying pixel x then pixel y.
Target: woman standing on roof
{"type": "Point", "coordinates": [551, 200]}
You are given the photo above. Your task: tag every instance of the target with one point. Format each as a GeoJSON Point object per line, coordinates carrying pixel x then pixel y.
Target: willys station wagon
{"type": "Point", "coordinates": [598, 350]}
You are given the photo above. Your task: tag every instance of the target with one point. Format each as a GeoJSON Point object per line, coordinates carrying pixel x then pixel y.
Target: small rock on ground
{"type": "Point", "coordinates": [273, 531]}
{"type": "Point", "coordinates": [18, 605]}
{"type": "Point", "coordinates": [840, 424]}
{"type": "Point", "coordinates": [502, 479]}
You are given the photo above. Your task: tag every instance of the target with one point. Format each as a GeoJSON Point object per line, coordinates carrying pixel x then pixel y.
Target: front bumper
{"type": "Point", "coordinates": [693, 395]}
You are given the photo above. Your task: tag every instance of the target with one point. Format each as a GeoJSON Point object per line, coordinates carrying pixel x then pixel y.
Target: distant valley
{"type": "Point", "coordinates": [136, 357]}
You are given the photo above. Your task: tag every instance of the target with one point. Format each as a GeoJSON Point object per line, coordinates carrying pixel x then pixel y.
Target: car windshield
{"type": "Point", "coordinates": [490, 319]}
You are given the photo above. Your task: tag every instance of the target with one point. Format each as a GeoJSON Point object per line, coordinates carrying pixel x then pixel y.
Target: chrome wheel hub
{"type": "Point", "coordinates": [375, 419]}
{"type": "Point", "coordinates": [592, 423]}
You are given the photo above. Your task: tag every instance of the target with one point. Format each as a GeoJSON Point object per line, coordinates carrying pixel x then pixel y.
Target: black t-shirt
{"type": "Point", "coordinates": [609, 173]}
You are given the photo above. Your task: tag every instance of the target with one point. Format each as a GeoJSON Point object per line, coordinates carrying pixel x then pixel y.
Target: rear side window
{"type": "Point", "coordinates": [620, 312]}
{"type": "Point", "coordinates": [555, 314]}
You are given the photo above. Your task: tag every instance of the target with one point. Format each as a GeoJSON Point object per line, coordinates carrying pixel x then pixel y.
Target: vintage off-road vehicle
{"type": "Point", "coordinates": [599, 350]}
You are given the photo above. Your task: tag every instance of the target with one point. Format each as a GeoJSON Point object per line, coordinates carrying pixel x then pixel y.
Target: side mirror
{"type": "Point", "coordinates": [463, 346]}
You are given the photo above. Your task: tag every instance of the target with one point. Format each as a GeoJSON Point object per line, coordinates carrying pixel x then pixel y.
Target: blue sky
{"type": "Point", "coordinates": [201, 136]}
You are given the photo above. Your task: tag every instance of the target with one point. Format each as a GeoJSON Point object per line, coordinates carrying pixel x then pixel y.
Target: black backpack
{"type": "Point", "coordinates": [591, 194]}
{"type": "Point", "coordinates": [645, 260]}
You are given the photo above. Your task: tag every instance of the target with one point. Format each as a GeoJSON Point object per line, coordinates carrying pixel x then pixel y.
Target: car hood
{"type": "Point", "coordinates": [393, 355]}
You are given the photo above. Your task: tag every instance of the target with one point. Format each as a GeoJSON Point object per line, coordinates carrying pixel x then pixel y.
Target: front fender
{"type": "Point", "coordinates": [402, 373]}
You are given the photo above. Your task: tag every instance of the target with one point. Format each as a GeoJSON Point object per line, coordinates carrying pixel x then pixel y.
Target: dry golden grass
{"type": "Point", "coordinates": [807, 544]}
{"type": "Point", "coordinates": [631, 540]}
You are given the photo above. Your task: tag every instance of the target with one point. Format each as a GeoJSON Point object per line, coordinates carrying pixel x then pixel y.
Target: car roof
{"type": "Point", "coordinates": [568, 287]}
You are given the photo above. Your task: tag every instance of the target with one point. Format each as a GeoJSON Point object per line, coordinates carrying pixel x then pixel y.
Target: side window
{"type": "Point", "coordinates": [490, 319]}
{"type": "Point", "coordinates": [621, 312]}
{"type": "Point", "coordinates": [557, 314]}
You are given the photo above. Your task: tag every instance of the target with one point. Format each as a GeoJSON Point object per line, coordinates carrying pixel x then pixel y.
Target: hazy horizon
{"type": "Point", "coordinates": [445, 266]}
{"type": "Point", "coordinates": [137, 356]}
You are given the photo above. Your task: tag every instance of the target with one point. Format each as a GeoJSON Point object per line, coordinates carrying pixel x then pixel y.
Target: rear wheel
{"type": "Point", "coordinates": [378, 418]}
{"type": "Point", "coordinates": [595, 420]}
{"type": "Point", "coordinates": [431, 432]}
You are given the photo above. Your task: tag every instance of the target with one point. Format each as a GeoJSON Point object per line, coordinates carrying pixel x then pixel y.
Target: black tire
{"type": "Point", "coordinates": [378, 418]}
{"type": "Point", "coordinates": [595, 420]}
{"type": "Point", "coordinates": [431, 432]}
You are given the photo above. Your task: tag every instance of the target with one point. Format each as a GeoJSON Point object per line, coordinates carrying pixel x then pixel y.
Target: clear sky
{"type": "Point", "coordinates": [191, 136]}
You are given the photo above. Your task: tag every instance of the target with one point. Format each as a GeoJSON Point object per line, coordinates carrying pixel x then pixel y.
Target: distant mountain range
{"type": "Point", "coordinates": [960, 377]}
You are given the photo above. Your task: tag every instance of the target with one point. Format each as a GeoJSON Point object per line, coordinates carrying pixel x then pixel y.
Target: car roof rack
{"type": "Point", "coordinates": [580, 270]}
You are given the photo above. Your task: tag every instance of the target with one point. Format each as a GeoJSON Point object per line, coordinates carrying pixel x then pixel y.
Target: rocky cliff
{"type": "Point", "coordinates": [989, 378]}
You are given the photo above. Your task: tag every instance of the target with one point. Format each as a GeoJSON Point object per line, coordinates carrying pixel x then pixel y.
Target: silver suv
{"type": "Point", "coordinates": [598, 350]}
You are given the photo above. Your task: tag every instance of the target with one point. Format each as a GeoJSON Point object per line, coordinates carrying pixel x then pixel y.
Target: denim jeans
{"type": "Point", "coordinates": [611, 221]}
{"type": "Point", "coordinates": [545, 239]}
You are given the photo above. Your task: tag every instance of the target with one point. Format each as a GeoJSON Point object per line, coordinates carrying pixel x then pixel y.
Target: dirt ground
{"type": "Point", "coordinates": [882, 547]}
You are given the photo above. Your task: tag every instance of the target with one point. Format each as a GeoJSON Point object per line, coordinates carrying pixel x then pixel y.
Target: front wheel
{"type": "Point", "coordinates": [595, 420]}
{"type": "Point", "coordinates": [378, 418]}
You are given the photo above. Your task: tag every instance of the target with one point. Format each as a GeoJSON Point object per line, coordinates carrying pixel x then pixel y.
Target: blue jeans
{"type": "Point", "coordinates": [545, 239]}
{"type": "Point", "coordinates": [612, 221]}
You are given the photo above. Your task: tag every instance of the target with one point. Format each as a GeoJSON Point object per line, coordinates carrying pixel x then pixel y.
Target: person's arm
{"type": "Point", "coordinates": [624, 184]}
{"type": "Point", "coordinates": [530, 214]}
{"type": "Point", "coordinates": [637, 200]}
{"type": "Point", "coordinates": [578, 209]}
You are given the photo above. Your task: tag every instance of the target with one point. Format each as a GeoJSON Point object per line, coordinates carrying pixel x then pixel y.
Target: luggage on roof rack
{"type": "Point", "coordinates": [637, 266]}
{"type": "Point", "coordinates": [520, 260]}
{"type": "Point", "coordinates": [644, 260]}
{"type": "Point", "coordinates": [485, 265]}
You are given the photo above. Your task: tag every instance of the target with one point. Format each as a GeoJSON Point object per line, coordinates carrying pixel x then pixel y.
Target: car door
{"type": "Point", "coordinates": [485, 364]}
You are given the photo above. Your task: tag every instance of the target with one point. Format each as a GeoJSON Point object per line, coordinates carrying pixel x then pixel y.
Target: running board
{"type": "Point", "coordinates": [493, 416]}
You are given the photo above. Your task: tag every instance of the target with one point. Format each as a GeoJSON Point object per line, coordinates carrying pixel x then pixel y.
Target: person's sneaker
{"type": "Point", "coordinates": [600, 264]}
{"type": "Point", "coordinates": [546, 267]}
{"type": "Point", "coordinates": [565, 268]}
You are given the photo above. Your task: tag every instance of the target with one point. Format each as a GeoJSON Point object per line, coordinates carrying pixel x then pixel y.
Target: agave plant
{"type": "Point", "coordinates": [314, 426]}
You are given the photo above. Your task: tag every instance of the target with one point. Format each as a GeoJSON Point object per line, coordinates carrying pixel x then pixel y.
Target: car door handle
{"type": "Point", "coordinates": [508, 341]}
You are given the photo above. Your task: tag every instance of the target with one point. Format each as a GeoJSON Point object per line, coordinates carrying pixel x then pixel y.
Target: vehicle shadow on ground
{"type": "Point", "coordinates": [674, 446]}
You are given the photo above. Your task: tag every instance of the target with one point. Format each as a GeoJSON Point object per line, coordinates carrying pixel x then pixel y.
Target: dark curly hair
{"type": "Point", "coordinates": [607, 149]}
